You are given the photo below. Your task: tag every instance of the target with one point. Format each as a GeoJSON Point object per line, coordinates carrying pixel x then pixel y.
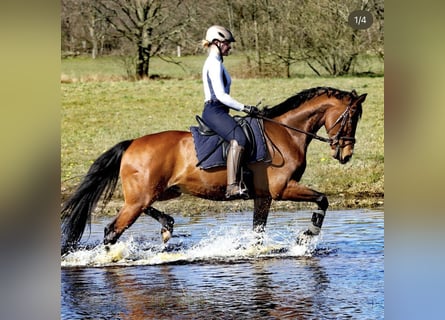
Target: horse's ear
{"type": "Point", "coordinates": [360, 99]}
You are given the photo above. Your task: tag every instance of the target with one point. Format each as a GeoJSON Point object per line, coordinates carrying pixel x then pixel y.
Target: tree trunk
{"type": "Point", "coordinates": [288, 60]}
{"type": "Point", "coordinates": [347, 65]}
{"type": "Point", "coordinates": [94, 42]}
{"type": "Point", "coordinates": [257, 47]}
{"type": "Point", "coordinates": [143, 63]}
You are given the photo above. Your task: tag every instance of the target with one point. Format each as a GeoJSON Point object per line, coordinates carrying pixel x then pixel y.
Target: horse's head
{"type": "Point", "coordinates": [339, 111]}
{"type": "Point", "coordinates": [341, 122]}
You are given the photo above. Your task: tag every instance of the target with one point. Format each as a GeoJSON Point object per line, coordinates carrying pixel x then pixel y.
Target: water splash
{"type": "Point", "coordinates": [224, 244]}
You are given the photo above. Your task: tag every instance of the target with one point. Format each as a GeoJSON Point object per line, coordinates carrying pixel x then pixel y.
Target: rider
{"type": "Point", "coordinates": [217, 82]}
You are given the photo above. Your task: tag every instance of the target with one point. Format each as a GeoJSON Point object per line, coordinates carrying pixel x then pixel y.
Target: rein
{"type": "Point", "coordinates": [332, 141]}
{"type": "Point", "coordinates": [313, 135]}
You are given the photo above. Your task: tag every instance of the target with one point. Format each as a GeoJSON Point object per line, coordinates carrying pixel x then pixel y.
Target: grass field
{"type": "Point", "coordinates": [101, 108]}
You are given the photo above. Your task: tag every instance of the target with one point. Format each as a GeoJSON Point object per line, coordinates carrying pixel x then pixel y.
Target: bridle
{"type": "Point", "coordinates": [334, 141]}
{"type": "Point", "coordinates": [342, 119]}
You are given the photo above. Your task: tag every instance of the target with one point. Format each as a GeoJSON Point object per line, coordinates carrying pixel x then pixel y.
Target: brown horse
{"type": "Point", "coordinates": [162, 166]}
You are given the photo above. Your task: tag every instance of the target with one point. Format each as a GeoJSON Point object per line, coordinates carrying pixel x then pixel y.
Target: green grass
{"type": "Point", "coordinates": [188, 67]}
{"type": "Point", "coordinates": [101, 108]}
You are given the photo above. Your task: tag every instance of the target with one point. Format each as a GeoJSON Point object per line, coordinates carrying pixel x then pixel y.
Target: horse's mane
{"type": "Point", "coordinates": [305, 95]}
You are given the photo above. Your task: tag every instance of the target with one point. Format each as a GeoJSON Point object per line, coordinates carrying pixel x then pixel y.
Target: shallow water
{"type": "Point", "coordinates": [213, 269]}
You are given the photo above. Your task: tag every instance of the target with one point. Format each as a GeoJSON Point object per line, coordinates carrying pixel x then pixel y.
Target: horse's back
{"type": "Point", "coordinates": [159, 139]}
{"type": "Point", "coordinates": [158, 145]}
{"type": "Point", "coordinates": [159, 152]}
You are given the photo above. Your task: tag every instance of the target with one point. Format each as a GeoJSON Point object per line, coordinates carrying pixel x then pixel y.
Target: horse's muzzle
{"type": "Point", "coordinates": [345, 159]}
{"type": "Point", "coordinates": [342, 154]}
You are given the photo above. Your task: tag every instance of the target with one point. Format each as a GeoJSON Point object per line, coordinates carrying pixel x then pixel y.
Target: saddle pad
{"type": "Point", "coordinates": [204, 145]}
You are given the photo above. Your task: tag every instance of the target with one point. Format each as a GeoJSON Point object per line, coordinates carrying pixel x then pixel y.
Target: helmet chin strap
{"type": "Point", "coordinates": [218, 44]}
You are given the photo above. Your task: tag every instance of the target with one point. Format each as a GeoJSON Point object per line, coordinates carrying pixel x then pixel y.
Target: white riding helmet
{"type": "Point", "coordinates": [219, 33]}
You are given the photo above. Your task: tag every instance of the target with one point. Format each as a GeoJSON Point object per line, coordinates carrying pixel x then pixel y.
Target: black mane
{"type": "Point", "coordinates": [305, 95]}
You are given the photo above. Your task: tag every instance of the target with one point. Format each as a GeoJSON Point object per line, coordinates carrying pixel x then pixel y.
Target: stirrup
{"type": "Point", "coordinates": [237, 191]}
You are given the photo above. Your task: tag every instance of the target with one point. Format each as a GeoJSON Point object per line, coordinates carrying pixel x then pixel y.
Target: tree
{"type": "Point", "coordinates": [146, 24]}
{"type": "Point", "coordinates": [277, 33]}
{"type": "Point", "coordinates": [96, 27]}
{"type": "Point", "coordinates": [254, 22]}
{"type": "Point", "coordinates": [285, 35]}
{"type": "Point", "coordinates": [330, 43]}
{"type": "Point", "coordinates": [83, 29]}
{"type": "Point", "coordinates": [71, 26]}
{"type": "Point", "coordinates": [273, 34]}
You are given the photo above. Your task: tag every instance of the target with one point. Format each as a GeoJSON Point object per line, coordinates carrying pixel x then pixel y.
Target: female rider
{"type": "Point", "coordinates": [217, 83]}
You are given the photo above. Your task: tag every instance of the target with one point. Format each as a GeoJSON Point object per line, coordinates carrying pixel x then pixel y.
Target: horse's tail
{"type": "Point", "coordinates": [102, 176]}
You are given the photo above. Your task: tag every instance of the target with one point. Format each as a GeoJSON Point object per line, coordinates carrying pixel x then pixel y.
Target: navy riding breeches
{"type": "Point", "coordinates": [217, 117]}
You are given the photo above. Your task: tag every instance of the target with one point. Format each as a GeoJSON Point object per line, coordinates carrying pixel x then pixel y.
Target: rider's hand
{"type": "Point", "coordinates": [251, 110]}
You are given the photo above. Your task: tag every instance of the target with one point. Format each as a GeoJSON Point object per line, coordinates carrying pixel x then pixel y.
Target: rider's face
{"type": "Point", "coordinates": [225, 48]}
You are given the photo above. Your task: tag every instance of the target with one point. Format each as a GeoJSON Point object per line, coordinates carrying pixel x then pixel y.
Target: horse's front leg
{"type": "Point", "coordinates": [297, 192]}
{"type": "Point", "coordinates": [261, 212]}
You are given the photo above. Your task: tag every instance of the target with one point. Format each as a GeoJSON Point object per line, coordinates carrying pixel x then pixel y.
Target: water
{"type": "Point", "coordinates": [212, 269]}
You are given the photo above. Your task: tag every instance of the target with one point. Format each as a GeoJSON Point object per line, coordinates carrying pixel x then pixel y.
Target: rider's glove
{"type": "Point", "coordinates": [251, 110]}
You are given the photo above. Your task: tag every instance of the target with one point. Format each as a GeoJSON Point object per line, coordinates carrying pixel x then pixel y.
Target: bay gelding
{"type": "Point", "coordinates": [162, 166]}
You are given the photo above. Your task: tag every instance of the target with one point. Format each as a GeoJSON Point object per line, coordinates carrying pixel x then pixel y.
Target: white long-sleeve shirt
{"type": "Point", "coordinates": [213, 73]}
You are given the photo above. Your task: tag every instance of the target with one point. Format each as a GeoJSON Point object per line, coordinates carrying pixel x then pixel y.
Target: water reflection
{"type": "Point", "coordinates": [146, 294]}
{"type": "Point", "coordinates": [263, 297]}
{"type": "Point", "coordinates": [260, 288]}
{"type": "Point", "coordinates": [86, 294]}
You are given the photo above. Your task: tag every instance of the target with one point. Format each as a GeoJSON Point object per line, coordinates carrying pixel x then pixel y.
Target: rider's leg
{"type": "Point", "coordinates": [217, 117]}
{"type": "Point", "coordinates": [235, 189]}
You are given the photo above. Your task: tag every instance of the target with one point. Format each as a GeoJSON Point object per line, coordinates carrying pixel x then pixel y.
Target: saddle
{"type": "Point", "coordinates": [204, 130]}
{"type": "Point", "coordinates": [211, 149]}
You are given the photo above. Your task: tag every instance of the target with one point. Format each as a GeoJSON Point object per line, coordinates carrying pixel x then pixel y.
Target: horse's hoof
{"type": "Point", "coordinates": [304, 238]}
{"type": "Point", "coordinates": [166, 235]}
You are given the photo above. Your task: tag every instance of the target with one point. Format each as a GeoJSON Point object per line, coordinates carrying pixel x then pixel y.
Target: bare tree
{"type": "Point", "coordinates": [376, 31]}
{"type": "Point", "coordinates": [278, 33]}
{"type": "Point", "coordinates": [330, 43]}
{"type": "Point", "coordinates": [273, 34]}
{"type": "Point", "coordinates": [255, 19]}
{"type": "Point", "coordinates": [146, 24]}
{"type": "Point", "coordinates": [285, 35]}
{"type": "Point", "coordinates": [96, 28]}
{"type": "Point", "coordinates": [71, 27]}
{"type": "Point", "coordinates": [83, 29]}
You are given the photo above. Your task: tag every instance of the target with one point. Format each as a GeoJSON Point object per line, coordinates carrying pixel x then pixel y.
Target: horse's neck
{"type": "Point", "coordinates": [308, 117]}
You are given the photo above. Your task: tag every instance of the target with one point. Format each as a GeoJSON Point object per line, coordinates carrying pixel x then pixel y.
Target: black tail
{"type": "Point", "coordinates": [102, 176]}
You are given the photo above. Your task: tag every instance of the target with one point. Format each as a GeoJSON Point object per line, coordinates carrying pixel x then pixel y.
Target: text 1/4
{"type": "Point", "coordinates": [360, 19]}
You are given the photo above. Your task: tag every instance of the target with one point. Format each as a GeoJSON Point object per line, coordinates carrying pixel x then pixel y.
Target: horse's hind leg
{"type": "Point", "coordinates": [126, 217]}
{"type": "Point", "coordinates": [165, 220]}
{"type": "Point", "coordinates": [137, 202]}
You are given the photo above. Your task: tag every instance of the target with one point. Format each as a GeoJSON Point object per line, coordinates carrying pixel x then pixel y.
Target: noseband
{"type": "Point", "coordinates": [342, 119]}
